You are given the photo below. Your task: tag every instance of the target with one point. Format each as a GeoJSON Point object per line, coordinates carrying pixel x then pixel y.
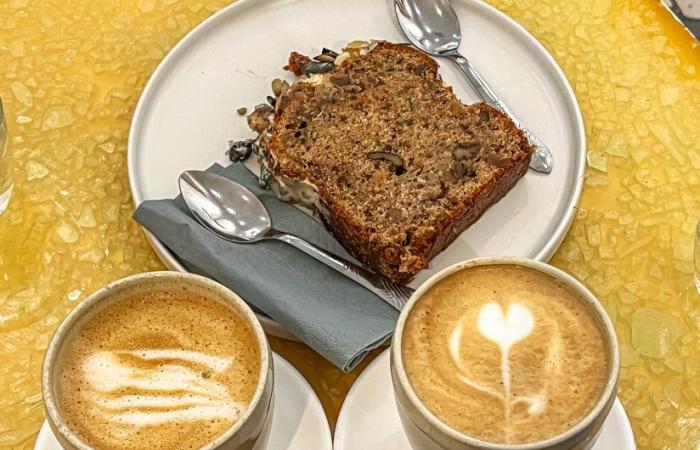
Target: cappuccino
{"type": "Point", "coordinates": [161, 369]}
{"type": "Point", "coordinates": [505, 354]}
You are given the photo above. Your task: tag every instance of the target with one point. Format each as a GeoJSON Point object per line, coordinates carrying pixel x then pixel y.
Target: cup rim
{"type": "Point", "coordinates": [104, 294]}
{"type": "Point", "coordinates": [605, 322]}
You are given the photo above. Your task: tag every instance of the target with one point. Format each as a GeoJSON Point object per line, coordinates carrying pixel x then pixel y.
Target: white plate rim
{"type": "Point", "coordinates": [45, 432]}
{"type": "Point", "coordinates": [270, 326]}
{"type": "Point", "coordinates": [339, 435]}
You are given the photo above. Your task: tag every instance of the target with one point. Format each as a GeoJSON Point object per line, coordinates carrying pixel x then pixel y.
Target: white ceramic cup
{"type": "Point", "coordinates": [426, 431]}
{"type": "Point", "coordinates": [252, 429]}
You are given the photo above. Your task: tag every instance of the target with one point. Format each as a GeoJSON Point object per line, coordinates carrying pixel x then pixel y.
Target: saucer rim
{"type": "Point", "coordinates": [46, 436]}
{"type": "Point", "coordinates": [340, 437]}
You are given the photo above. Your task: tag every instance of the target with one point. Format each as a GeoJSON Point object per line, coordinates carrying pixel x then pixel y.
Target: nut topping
{"type": "Point", "coordinates": [357, 44]}
{"type": "Point", "coordinates": [468, 152]}
{"type": "Point", "coordinates": [314, 67]}
{"type": "Point", "coordinates": [328, 52]}
{"type": "Point", "coordinates": [495, 160]}
{"type": "Point", "coordinates": [259, 119]}
{"type": "Point", "coordinates": [296, 62]}
{"type": "Point", "coordinates": [325, 58]}
{"type": "Point", "coordinates": [394, 159]}
{"type": "Point", "coordinates": [279, 87]}
{"type": "Point", "coordinates": [339, 79]}
{"type": "Point", "coordinates": [437, 192]}
{"type": "Point", "coordinates": [391, 256]}
{"type": "Point", "coordinates": [458, 170]}
{"type": "Point", "coordinates": [240, 150]}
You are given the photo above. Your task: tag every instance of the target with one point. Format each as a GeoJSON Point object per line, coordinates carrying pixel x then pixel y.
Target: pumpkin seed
{"type": "Point", "coordinates": [277, 87]}
{"type": "Point", "coordinates": [242, 110]}
{"type": "Point", "coordinates": [328, 52]}
{"type": "Point", "coordinates": [357, 44]}
{"type": "Point", "coordinates": [284, 87]}
{"type": "Point", "coordinates": [314, 67]}
{"type": "Point", "coordinates": [325, 58]}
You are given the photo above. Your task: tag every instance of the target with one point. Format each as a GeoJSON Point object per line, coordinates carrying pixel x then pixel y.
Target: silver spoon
{"type": "Point", "coordinates": [433, 27]}
{"type": "Point", "coordinates": [234, 213]}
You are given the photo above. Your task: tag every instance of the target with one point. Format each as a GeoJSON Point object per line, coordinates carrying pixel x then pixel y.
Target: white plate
{"type": "Point", "coordinates": [186, 114]}
{"type": "Point", "coordinates": [298, 419]}
{"type": "Point", "coordinates": [370, 405]}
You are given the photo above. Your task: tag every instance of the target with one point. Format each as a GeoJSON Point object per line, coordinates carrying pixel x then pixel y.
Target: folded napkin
{"type": "Point", "coordinates": [330, 313]}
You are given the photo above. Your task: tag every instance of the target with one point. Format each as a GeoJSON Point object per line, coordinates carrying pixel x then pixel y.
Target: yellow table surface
{"type": "Point", "coordinates": [71, 74]}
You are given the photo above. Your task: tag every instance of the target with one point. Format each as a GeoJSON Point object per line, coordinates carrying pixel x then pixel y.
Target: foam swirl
{"type": "Point", "coordinates": [170, 389]}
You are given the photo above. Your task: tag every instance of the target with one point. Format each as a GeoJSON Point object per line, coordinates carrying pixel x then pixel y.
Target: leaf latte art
{"type": "Point", "coordinates": [505, 330]}
{"type": "Point", "coordinates": [504, 354]}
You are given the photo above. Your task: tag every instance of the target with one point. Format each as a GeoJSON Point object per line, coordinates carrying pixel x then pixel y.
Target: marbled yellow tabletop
{"type": "Point", "coordinates": [71, 72]}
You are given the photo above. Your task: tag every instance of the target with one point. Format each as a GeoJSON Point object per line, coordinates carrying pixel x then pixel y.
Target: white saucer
{"type": "Point", "coordinates": [369, 420]}
{"type": "Point", "coordinates": [187, 111]}
{"type": "Point", "coordinates": [298, 419]}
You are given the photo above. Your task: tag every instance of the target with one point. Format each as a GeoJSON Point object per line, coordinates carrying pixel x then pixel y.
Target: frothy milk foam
{"type": "Point", "coordinates": [160, 370]}
{"type": "Point", "coordinates": [206, 399]}
{"type": "Point", "coordinates": [505, 354]}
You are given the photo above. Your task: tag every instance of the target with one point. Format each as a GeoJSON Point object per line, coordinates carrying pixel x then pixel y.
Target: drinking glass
{"type": "Point", "coordinates": [5, 163]}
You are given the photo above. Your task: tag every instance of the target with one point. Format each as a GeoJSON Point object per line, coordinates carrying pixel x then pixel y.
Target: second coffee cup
{"type": "Point", "coordinates": [503, 354]}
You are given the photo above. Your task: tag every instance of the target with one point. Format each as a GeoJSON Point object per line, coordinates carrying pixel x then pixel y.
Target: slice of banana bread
{"type": "Point", "coordinates": [396, 165]}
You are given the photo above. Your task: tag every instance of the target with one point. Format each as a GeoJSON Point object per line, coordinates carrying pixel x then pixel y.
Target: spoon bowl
{"type": "Point", "coordinates": [226, 208]}
{"type": "Point", "coordinates": [430, 25]}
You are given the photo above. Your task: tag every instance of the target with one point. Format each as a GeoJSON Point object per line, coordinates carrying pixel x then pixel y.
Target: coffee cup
{"type": "Point", "coordinates": [160, 360]}
{"type": "Point", "coordinates": [503, 353]}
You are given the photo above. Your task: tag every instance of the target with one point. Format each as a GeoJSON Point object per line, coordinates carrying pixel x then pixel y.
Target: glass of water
{"type": "Point", "coordinates": [5, 163]}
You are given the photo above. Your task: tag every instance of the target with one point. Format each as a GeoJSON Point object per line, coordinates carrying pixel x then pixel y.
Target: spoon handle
{"type": "Point", "coordinates": [542, 158]}
{"type": "Point", "coordinates": [393, 293]}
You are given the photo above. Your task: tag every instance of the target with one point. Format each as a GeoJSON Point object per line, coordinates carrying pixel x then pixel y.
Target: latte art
{"type": "Point", "coordinates": [505, 330]}
{"type": "Point", "coordinates": [162, 394]}
{"type": "Point", "coordinates": [504, 354]}
{"type": "Point", "coordinates": [166, 370]}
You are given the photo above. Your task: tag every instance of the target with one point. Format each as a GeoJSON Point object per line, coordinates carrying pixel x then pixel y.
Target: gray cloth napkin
{"type": "Point", "coordinates": [332, 314]}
